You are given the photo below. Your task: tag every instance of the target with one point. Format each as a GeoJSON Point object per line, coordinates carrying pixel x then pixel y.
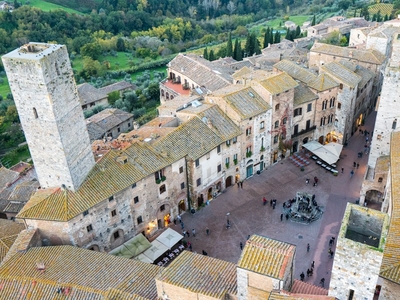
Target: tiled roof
{"type": "Point", "coordinates": [323, 82]}
{"type": "Point", "coordinates": [369, 56]}
{"type": "Point", "coordinates": [342, 74]}
{"type": "Point", "coordinates": [24, 191]}
{"type": "Point", "coordinates": [384, 31]}
{"type": "Point", "coordinates": [106, 179]}
{"type": "Point", "coordinates": [266, 256]}
{"type": "Point", "coordinates": [303, 94]}
{"type": "Point", "coordinates": [382, 164]}
{"type": "Point", "coordinates": [390, 268]}
{"type": "Point", "coordinates": [282, 295]}
{"type": "Point", "coordinates": [220, 123]}
{"type": "Point", "coordinates": [296, 71]}
{"type": "Point", "coordinates": [241, 72]}
{"type": "Point", "coordinates": [200, 71]}
{"type": "Point", "coordinates": [80, 269]}
{"type": "Point", "coordinates": [245, 101]}
{"type": "Point", "coordinates": [201, 274]}
{"type": "Point", "coordinates": [193, 138]}
{"type": "Point", "coordinates": [279, 83]}
{"type": "Point", "coordinates": [7, 176]}
{"type": "Point", "coordinates": [118, 86]}
{"type": "Point", "coordinates": [301, 287]}
{"type": "Point", "coordinates": [20, 243]}
{"type": "Point", "coordinates": [9, 231]}
{"type": "Point", "coordinates": [88, 93]}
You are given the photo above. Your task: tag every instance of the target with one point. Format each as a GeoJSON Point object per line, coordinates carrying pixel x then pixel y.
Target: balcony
{"type": "Point", "coordinates": [304, 131]}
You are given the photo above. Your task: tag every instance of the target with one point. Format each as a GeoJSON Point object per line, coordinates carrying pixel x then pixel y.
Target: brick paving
{"type": "Point", "coordinates": [281, 181]}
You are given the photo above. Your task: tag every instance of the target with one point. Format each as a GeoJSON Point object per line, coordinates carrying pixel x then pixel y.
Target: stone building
{"type": "Point", "coordinates": [44, 91]}
{"type": "Point", "coordinates": [91, 96]}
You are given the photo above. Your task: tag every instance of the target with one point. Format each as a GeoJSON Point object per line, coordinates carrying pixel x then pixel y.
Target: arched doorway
{"type": "Point", "coordinates": [228, 181]}
{"type": "Point", "coordinates": [163, 216]}
{"type": "Point", "coordinates": [200, 200]}
{"type": "Point", "coordinates": [219, 187]}
{"type": "Point", "coordinates": [321, 140]}
{"type": "Point", "coordinates": [249, 168]}
{"type": "Point", "coordinates": [181, 206]}
{"type": "Point", "coordinates": [295, 147]}
{"type": "Point", "coordinates": [117, 238]}
{"type": "Point", "coordinates": [275, 156]}
{"type": "Point", "coordinates": [209, 194]}
{"type": "Point", "coordinates": [305, 140]}
{"type": "Point", "coordinates": [94, 248]}
{"type": "Point", "coordinates": [373, 199]}
{"type": "Point", "coordinates": [261, 163]}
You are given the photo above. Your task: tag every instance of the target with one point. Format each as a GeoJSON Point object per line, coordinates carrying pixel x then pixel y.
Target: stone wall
{"type": "Point", "coordinates": [247, 280]}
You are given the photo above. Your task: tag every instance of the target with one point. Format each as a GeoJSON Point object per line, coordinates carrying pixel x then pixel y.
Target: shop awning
{"type": "Point", "coordinates": [169, 238]}
{"type": "Point", "coordinates": [132, 247]}
{"type": "Point", "coordinates": [143, 258]}
{"type": "Point", "coordinates": [313, 145]}
{"type": "Point", "coordinates": [329, 153]}
{"type": "Point", "coordinates": [157, 249]}
{"type": "Point", "coordinates": [335, 148]}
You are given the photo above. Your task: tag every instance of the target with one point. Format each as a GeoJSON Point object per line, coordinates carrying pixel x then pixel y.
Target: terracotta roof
{"type": "Point", "coordinates": [80, 269]}
{"type": "Point", "coordinates": [193, 138]}
{"type": "Point", "coordinates": [88, 93]}
{"type": "Point", "coordinates": [241, 72]}
{"type": "Point", "coordinates": [7, 176]}
{"type": "Point", "coordinates": [323, 82]}
{"type": "Point", "coordinates": [9, 231]}
{"type": "Point", "coordinates": [279, 83]}
{"type": "Point", "coordinates": [365, 74]}
{"type": "Point", "coordinates": [266, 256]}
{"type": "Point", "coordinates": [200, 70]}
{"type": "Point", "coordinates": [105, 179]}
{"type": "Point", "coordinates": [390, 268]}
{"type": "Point", "coordinates": [369, 56]}
{"type": "Point", "coordinates": [24, 191]}
{"type": "Point", "coordinates": [201, 274]}
{"type": "Point", "coordinates": [301, 287]}
{"type": "Point", "coordinates": [296, 71]}
{"type": "Point", "coordinates": [118, 86]}
{"type": "Point", "coordinates": [283, 295]}
{"type": "Point", "coordinates": [303, 94]}
{"type": "Point", "coordinates": [244, 100]}
{"type": "Point", "coordinates": [342, 74]}
{"type": "Point", "coordinates": [20, 243]}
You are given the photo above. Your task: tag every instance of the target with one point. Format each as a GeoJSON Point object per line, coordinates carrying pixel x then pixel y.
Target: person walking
{"type": "Point", "coordinates": [308, 272]}
{"type": "Point", "coordinates": [264, 201]}
{"type": "Point", "coordinates": [281, 217]}
{"type": "Point", "coordinates": [312, 264]}
{"type": "Point", "coordinates": [187, 233]}
{"type": "Point", "coordinates": [342, 170]}
{"type": "Point", "coordinates": [302, 276]}
{"type": "Point", "coordinates": [194, 232]}
{"type": "Point", "coordinates": [308, 247]}
{"type": "Point", "coordinates": [238, 184]}
{"type": "Point", "coordinates": [351, 174]}
{"type": "Point", "coordinates": [307, 180]}
{"type": "Point", "coordinates": [358, 165]}
{"type": "Point", "coordinates": [354, 164]}
{"type": "Point", "coordinates": [207, 231]}
{"type": "Point", "coordinates": [179, 218]}
{"type": "Point", "coordinates": [241, 184]}
{"type": "Point", "coordinates": [241, 246]}
{"type": "Point", "coordinates": [182, 225]}
{"type": "Point", "coordinates": [322, 282]}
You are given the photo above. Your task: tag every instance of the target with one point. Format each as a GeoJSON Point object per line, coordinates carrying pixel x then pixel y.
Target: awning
{"type": "Point", "coordinates": [326, 155]}
{"type": "Point", "coordinates": [335, 148]}
{"type": "Point", "coordinates": [169, 238]}
{"type": "Point", "coordinates": [313, 145]}
{"type": "Point", "coordinates": [329, 153]}
{"type": "Point", "coordinates": [157, 249]}
{"type": "Point", "coordinates": [132, 247]}
{"type": "Point", "coordinates": [143, 258]}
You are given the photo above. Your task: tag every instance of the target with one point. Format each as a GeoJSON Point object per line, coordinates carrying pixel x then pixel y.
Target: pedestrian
{"type": "Point", "coordinates": [308, 247]}
{"type": "Point", "coordinates": [281, 217]}
{"type": "Point", "coordinates": [204, 253]}
{"type": "Point", "coordinates": [194, 232]}
{"type": "Point", "coordinates": [354, 164]}
{"type": "Point", "coordinates": [307, 180]}
{"type": "Point", "coordinates": [228, 224]}
{"type": "Point", "coordinates": [174, 221]}
{"type": "Point", "coordinates": [264, 201]}
{"type": "Point", "coordinates": [312, 264]}
{"type": "Point", "coordinates": [182, 225]}
{"type": "Point", "coordinates": [187, 233]}
{"type": "Point", "coordinates": [270, 202]}
{"type": "Point", "coordinates": [351, 173]}
{"type": "Point", "coordinates": [208, 231]}
{"type": "Point", "coordinates": [241, 246]}
{"type": "Point", "coordinates": [189, 246]}
{"type": "Point", "coordinates": [273, 204]}
{"type": "Point", "coordinates": [238, 184]}
{"type": "Point", "coordinates": [302, 276]}
{"type": "Point", "coordinates": [342, 170]}
{"type": "Point", "coordinates": [308, 272]}
{"type": "Point", "coordinates": [179, 218]}
{"type": "Point", "coordinates": [322, 282]}
{"type": "Point", "coordinates": [184, 233]}
{"type": "Point", "coordinates": [366, 139]}
{"type": "Point", "coordinates": [332, 252]}
{"type": "Point", "coordinates": [241, 184]}
{"type": "Point", "coordinates": [358, 165]}
{"type": "Point", "coordinates": [248, 236]}
{"type": "Point", "coordinates": [287, 217]}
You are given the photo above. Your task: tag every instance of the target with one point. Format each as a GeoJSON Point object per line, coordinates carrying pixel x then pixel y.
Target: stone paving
{"type": "Point", "coordinates": [281, 181]}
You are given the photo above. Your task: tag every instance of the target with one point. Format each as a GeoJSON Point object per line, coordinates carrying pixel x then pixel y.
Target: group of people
{"type": "Point", "coordinates": [309, 272]}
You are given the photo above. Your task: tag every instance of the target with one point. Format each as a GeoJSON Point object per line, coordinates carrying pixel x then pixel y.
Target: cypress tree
{"type": "Point", "coordinates": [313, 21]}
{"type": "Point", "coordinates": [287, 36]}
{"type": "Point", "coordinates": [277, 37]}
{"type": "Point", "coordinates": [211, 57]}
{"type": "Point", "coordinates": [266, 38]}
{"type": "Point", "coordinates": [355, 13]}
{"type": "Point", "coordinates": [229, 50]}
{"type": "Point", "coordinates": [238, 51]}
{"type": "Point", "coordinates": [257, 46]}
{"type": "Point", "coordinates": [205, 53]}
{"type": "Point", "coordinates": [298, 31]}
{"type": "Point", "coordinates": [248, 47]}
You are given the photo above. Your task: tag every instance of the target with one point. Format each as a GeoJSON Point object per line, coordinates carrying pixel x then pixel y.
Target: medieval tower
{"type": "Point", "coordinates": [46, 97]}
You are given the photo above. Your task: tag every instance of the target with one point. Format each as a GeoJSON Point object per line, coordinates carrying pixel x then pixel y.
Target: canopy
{"type": "Point", "coordinates": [313, 145]}
{"type": "Point", "coordinates": [157, 249]}
{"type": "Point", "coordinates": [169, 238]}
{"type": "Point", "coordinates": [132, 247]}
{"type": "Point", "coordinates": [143, 258]}
{"type": "Point", "coordinates": [326, 155]}
{"type": "Point", "coordinates": [335, 148]}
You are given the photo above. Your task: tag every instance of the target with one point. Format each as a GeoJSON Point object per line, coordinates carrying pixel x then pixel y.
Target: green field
{"type": "Point", "coordinates": [4, 88]}
{"type": "Point", "coordinates": [47, 6]}
{"type": "Point", "coordinates": [299, 20]}
{"type": "Point", "coordinates": [13, 157]}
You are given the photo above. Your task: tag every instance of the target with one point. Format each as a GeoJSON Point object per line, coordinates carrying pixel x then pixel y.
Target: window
{"type": "Point", "coordinates": [111, 198]}
{"type": "Point", "coordinates": [297, 112]}
{"type": "Point", "coordinates": [394, 124]}
{"type": "Point", "coordinates": [162, 207]}
{"type": "Point", "coordinates": [339, 105]}
{"type": "Point", "coordinates": [162, 189]}
{"type": "Point", "coordinates": [234, 140]}
{"type": "Point", "coordinates": [134, 185]}
{"type": "Point", "coordinates": [197, 162]}
{"type": "Point", "coordinates": [113, 213]}
{"type": "Point", "coordinates": [139, 220]}
{"type": "Point", "coordinates": [234, 156]}
{"type": "Point", "coordinates": [324, 104]}
{"type": "Point", "coordinates": [228, 143]}
{"type": "Point", "coordinates": [85, 213]}
{"type": "Point", "coordinates": [308, 124]}
{"type": "Point", "coordinates": [322, 123]}
{"type": "Point", "coordinates": [129, 125]}
{"type": "Point", "coordinates": [219, 168]}
{"type": "Point", "coordinates": [159, 175]}
{"type": "Point", "coordinates": [380, 179]}
{"type": "Point", "coordinates": [198, 181]}
{"type": "Point", "coordinates": [227, 160]}
{"type": "Point", "coordinates": [351, 295]}
{"type": "Point", "coordinates": [182, 185]}
{"type": "Point", "coordinates": [277, 107]}
{"type": "Point", "coordinates": [262, 125]}
{"type": "Point", "coordinates": [180, 170]}
{"type": "Point", "coordinates": [218, 149]}
{"type": "Point", "coordinates": [119, 129]}
{"type": "Point", "coordinates": [116, 234]}
{"type": "Point", "coordinates": [309, 107]}
{"type": "Point", "coordinates": [89, 228]}
{"type": "Point", "coordinates": [276, 138]}
{"type": "Point", "coordinates": [136, 199]}
{"type": "Point", "coordinates": [248, 131]}
{"type": "Point", "coordinates": [341, 86]}
{"type": "Point", "coordinates": [35, 113]}
{"type": "Point", "coordinates": [284, 121]}
{"type": "Point", "coordinates": [296, 129]}
{"type": "Point", "coordinates": [276, 124]}
{"type": "Point", "coordinates": [248, 149]}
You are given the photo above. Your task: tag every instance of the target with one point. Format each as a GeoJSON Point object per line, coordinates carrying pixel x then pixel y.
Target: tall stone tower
{"type": "Point", "coordinates": [45, 94]}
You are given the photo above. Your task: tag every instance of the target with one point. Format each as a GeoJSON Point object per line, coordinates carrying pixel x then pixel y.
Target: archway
{"type": "Point", "coordinates": [181, 206]}
{"type": "Point", "coordinates": [295, 147]}
{"type": "Point", "coordinates": [228, 181]}
{"type": "Point", "coordinates": [321, 140]}
{"type": "Point", "coordinates": [373, 199]}
{"type": "Point", "coordinates": [219, 187]}
{"type": "Point", "coordinates": [275, 156]}
{"type": "Point", "coordinates": [249, 168]}
{"type": "Point", "coordinates": [209, 194]}
{"type": "Point", "coordinates": [305, 140]}
{"type": "Point", "coordinates": [117, 238]}
{"type": "Point", "coordinates": [200, 200]}
{"type": "Point", "coordinates": [163, 215]}
{"type": "Point", "coordinates": [261, 163]}
{"type": "Point", "coordinates": [94, 248]}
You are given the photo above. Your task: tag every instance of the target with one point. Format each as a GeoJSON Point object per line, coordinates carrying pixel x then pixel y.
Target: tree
{"type": "Point", "coordinates": [211, 56]}
{"type": "Point", "coordinates": [313, 21]}
{"type": "Point", "coordinates": [229, 50]}
{"type": "Point", "coordinates": [298, 31]}
{"type": "Point", "coordinates": [256, 42]}
{"type": "Point", "coordinates": [120, 44]}
{"type": "Point", "coordinates": [92, 50]}
{"type": "Point", "coordinates": [237, 52]}
{"type": "Point", "coordinates": [266, 38]}
{"type": "Point", "coordinates": [205, 53]}
{"type": "Point", "coordinates": [277, 38]}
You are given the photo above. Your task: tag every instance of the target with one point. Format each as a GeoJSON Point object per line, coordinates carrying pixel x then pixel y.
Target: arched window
{"type": "Point", "coordinates": [35, 114]}
{"type": "Point", "coordinates": [162, 92]}
{"type": "Point", "coordinates": [277, 107]}
{"type": "Point", "coordinates": [284, 121]}
{"type": "Point", "coordinates": [380, 179]}
{"type": "Point", "coordinates": [276, 124]}
{"type": "Point", "coordinates": [162, 189]}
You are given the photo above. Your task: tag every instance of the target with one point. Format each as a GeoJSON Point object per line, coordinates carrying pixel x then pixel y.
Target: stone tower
{"type": "Point", "coordinates": [45, 94]}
